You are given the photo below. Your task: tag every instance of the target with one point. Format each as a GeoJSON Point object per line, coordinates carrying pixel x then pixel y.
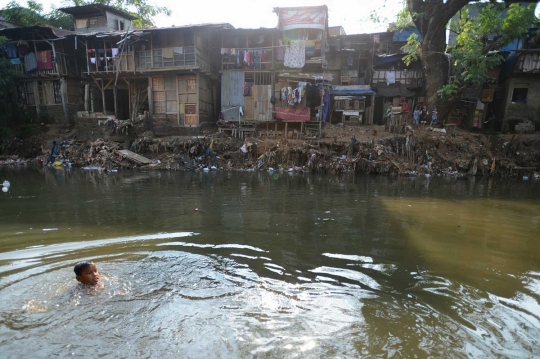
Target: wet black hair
{"type": "Point", "coordinates": [81, 266]}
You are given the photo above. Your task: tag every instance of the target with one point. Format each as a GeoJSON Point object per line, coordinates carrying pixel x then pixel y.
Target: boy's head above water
{"type": "Point", "coordinates": [87, 273]}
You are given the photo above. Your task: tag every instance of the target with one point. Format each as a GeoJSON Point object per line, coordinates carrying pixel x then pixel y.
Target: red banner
{"type": "Point", "coordinates": [302, 19]}
{"type": "Point", "coordinates": [291, 113]}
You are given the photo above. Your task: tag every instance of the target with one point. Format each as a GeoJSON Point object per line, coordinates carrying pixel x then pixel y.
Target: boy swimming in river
{"type": "Point", "coordinates": [87, 273]}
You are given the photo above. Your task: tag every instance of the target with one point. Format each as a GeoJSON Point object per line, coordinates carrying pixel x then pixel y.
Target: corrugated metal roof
{"type": "Point", "coordinates": [403, 35]}
{"type": "Point", "coordinates": [88, 9]}
{"type": "Point", "coordinates": [223, 25]}
{"type": "Point", "coordinates": [50, 32]}
{"type": "Point", "coordinates": [261, 29]}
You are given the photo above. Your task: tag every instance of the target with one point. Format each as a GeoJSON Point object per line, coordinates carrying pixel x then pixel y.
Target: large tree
{"type": "Point", "coordinates": [33, 14]}
{"type": "Point", "coordinates": [431, 18]}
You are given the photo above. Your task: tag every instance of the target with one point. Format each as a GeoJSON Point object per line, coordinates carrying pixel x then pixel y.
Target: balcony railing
{"type": "Point", "coordinates": [529, 62]}
{"type": "Point", "coordinates": [21, 70]}
{"type": "Point", "coordinates": [406, 77]}
{"type": "Point", "coordinates": [62, 65]}
{"type": "Point", "coordinates": [124, 63]}
{"type": "Point", "coordinates": [187, 57]}
{"type": "Point", "coordinates": [168, 57]}
{"type": "Point", "coordinates": [230, 61]}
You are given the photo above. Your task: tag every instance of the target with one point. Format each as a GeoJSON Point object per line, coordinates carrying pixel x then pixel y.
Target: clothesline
{"type": "Point", "coordinates": [259, 48]}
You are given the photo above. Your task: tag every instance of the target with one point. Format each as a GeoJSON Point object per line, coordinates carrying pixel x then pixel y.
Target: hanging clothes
{"type": "Point", "coordinates": [30, 62]}
{"type": "Point", "coordinates": [326, 103]}
{"type": "Point", "coordinates": [247, 88]}
{"type": "Point", "coordinates": [114, 52]}
{"type": "Point", "coordinates": [44, 60]}
{"type": "Point", "coordinates": [11, 50]}
{"type": "Point", "coordinates": [295, 55]}
{"type": "Point", "coordinates": [390, 78]}
{"type": "Point", "coordinates": [280, 54]}
{"type": "Point", "coordinates": [350, 61]}
{"type": "Point", "coordinates": [23, 48]}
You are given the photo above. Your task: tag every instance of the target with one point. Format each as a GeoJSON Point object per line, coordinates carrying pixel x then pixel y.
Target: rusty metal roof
{"type": "Point", "coordinates": [88, 10]}
{"type": "Point", "coordinates": [47, 32]}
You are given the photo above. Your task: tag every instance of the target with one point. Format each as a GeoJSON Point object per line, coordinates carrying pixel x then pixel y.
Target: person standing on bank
{"type": "Point", "coordinates": [423, 115]}
{"type": "Point", "coordinates": [54, 152]}
{"type": "Point", "coordinates": [434, 116]}
{"type": "Point", "coordinates": [416, 115]}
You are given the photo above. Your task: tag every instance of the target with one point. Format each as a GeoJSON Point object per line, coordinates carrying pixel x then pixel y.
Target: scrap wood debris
{"type": "Point", "coordinates": [412, 153]}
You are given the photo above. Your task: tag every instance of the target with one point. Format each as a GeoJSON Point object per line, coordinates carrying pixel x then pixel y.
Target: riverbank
{"type": "Point", "coordinates": [349, 149]}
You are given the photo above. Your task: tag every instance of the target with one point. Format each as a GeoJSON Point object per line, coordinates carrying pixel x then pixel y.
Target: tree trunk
{"type": "Point", "coordinates": [431, 18]}
{"type": "Point", "coordinates": [435, 65]}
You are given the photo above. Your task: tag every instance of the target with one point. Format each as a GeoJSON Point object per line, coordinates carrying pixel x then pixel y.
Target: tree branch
{"type": "Point", "coordinates": [415, 8]}
{"type": "Point", "coordinates": [452, 7]}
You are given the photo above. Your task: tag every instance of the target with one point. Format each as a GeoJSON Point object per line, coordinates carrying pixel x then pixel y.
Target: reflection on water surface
{"type": "Point", "coordinates": [285, 266]}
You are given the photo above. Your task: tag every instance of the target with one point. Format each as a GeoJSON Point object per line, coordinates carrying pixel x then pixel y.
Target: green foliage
{"type": "Point", "coordinates": [478, 39]}
{"type": "Point", "coordinates": [14, 120]}
{"type": "Point", "coordinates": [412, 49]}
{"type": "Point", "coordinates": [33, 14]}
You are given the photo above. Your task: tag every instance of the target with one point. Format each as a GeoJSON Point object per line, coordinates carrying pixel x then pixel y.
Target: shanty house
{"type": "Point", "coordinates": [173, 72]}
{"type": "Point", "coordinates": [300, 63]}
{"type": "Point", "coordinates": [247, 73]}
{"type": "Point", "coordinates": [99, 18]}
{"type": "Point", "coordinates": [46, 63]}
{"type": "Point", "coordinates": [519, 98]}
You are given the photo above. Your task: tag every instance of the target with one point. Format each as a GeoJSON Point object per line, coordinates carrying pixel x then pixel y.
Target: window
{"type": "Point", "coordinates": [520, 95]}
{"type": "Point", "coordinates": [49, 92]}
{"type": "Point", "coordinates": [258, 78]}
{"type": "Point", "coordinates": [160, 104]}
{"type": "Point", "coordinates": [81, 23]}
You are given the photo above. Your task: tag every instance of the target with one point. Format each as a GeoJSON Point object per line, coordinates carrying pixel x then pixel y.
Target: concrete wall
{"type": "Point", "coordinates": [524, 111]}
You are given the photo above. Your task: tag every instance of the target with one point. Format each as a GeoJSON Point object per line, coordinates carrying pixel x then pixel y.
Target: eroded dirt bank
{"type": "Point", "coordinates": [341, 150]}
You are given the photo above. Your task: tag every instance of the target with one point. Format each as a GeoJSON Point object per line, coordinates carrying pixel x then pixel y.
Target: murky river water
{"type": "Point", "coordinates": [270, 266]}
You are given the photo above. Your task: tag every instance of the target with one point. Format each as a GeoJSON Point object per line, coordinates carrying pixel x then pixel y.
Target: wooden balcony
{"type": "Point", "coordinates": [112, 65]}
{"type": "Point", "coordinates": [230, 62]}
{"type": "Point", "coordinates": [62, 65]}
{"type": "Point", "coordinates": [407, 77]}
{"type": "Point", "coordinates": [168, 58]}
{"type": "Point", "coordinates": [20, 70]}
{"type": "Point", "coordinates": [529, 61]}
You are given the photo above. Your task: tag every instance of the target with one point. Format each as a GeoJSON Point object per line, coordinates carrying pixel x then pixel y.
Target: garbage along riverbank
{"type": "Point", "coordinates": [342, 150]}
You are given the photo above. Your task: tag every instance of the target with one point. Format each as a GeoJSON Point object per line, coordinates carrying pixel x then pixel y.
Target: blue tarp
{"type": "Point", "coordinates": [351, 92]}
{"type": "Point", "coordinates": [403, 35]}
{"type": "Point", "coordinates": [386, 60]}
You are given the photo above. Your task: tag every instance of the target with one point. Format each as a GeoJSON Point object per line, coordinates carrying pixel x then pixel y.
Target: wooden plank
{"type": "Point", "coordinates": [63, 93]}
{"type": "Point", "coordinates": [133, 157]}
